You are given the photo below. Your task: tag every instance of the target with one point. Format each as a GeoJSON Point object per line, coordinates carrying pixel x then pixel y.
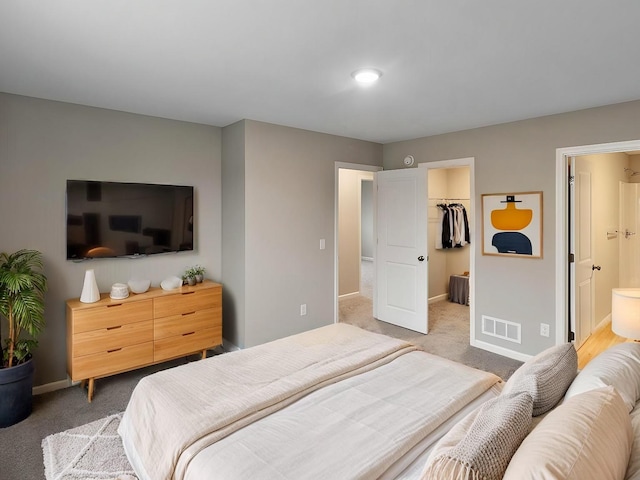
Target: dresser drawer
{"type": "Point", "coordinates": [189, 322]}
{"type": "Point", "coordinates": [96, 341]}
{"type": "Point", "coordinates": [112, 361]}
{"type": "Point", "coordinates": [112, 315]}
{"type": "Point", "coordinates": [186, 343]}
{"type": "Point", "coordinates": [186, 302]}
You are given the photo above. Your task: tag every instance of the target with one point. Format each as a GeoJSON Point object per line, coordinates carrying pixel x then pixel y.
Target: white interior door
{"type": "Point", "coordinates": [582, 247]}
{"type": "Point", "coordinates": [401, 261]}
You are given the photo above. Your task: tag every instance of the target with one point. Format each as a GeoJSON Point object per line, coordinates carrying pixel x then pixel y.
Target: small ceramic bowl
{"type": "Point", "coordinates": [171, 283]}
{"type": "Point", "coordinates": [119, 291]}
{"type": "Point", "coordinates": [137, 285]}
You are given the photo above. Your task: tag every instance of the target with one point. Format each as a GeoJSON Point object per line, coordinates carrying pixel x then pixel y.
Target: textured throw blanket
{"type": "Point", "coordinates": [174, 414]}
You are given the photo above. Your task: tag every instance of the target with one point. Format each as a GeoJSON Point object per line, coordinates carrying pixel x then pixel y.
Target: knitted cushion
{"type": "Point", "coordinates": [588, 437]}
{"type": "Point", "coordinates": [481, 445]}
{"type": "Point", "coordinates": [545, 377]}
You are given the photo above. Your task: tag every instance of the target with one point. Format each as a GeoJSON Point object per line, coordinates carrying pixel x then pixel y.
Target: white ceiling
{"type": "Point", "coordinates": [448, 64]}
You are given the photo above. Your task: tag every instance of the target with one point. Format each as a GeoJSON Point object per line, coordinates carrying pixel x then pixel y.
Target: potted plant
{"type": "Point", "coordinates": [22, 289]}
{"type": "Point", "coordinates": [199, 272]}
{"type": "Point", "coordinates": [189, 276]}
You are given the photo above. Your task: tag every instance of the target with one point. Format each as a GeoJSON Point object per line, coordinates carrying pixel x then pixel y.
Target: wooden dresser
{"type": "Point", "coordinates": [114, 336]}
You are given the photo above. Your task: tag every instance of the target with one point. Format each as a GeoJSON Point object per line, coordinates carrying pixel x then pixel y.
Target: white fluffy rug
{"type": "Point", "coordinates": [89, 452]}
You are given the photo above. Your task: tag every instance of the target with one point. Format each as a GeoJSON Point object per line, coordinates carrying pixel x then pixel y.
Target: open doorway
{"type": "Point", "coordinates": [589, 242]}
{"type": "Point", "coordinates": [355, 223]}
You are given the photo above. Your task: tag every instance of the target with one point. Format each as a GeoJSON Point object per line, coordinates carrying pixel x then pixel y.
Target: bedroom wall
{"type": "Point", "coordinates": [289, 206]}
{"type": "Point", "coordinates": [520, 157]}
{"type": "Point", "coordinates": [44, 143]}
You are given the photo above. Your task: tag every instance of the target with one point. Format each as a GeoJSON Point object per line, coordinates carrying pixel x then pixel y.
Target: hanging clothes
{"type": "Point", "coordinates": [452, 227]}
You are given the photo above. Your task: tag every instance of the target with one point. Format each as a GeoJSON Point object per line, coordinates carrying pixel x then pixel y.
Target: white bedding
{"type": "Point", "coordinates": [337, 402]}
{"type": "Point", "coordinates": [358, 428]}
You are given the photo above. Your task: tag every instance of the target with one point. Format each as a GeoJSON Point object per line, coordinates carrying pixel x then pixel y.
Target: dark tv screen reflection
{"type": "Point", "coordinates": [114, 219]}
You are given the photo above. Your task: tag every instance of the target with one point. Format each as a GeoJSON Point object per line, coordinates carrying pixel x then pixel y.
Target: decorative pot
{"type": "Point", "coordinates": [191, 281]}
{"type": "Point", "coordinates": [16, 384]}
{"type": "Point", "coordinates": [199, 278]}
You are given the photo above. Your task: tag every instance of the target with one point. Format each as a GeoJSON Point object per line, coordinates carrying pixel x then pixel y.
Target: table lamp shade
{"type": "Point", "coordinates": [625, 312]}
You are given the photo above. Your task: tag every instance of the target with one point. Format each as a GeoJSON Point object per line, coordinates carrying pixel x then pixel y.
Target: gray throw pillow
{"type": "Point", "coordinates": [546, 377]}
{"type": "Point", "coordinates": [482, 444]}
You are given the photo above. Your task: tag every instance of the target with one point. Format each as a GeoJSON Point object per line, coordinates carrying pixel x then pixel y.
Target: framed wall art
{"type": "Point", "coordinates": [512, 224]}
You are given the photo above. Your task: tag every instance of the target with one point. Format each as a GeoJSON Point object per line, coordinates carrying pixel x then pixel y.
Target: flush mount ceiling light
{"type": "Point", "coordinates": [366, 76]}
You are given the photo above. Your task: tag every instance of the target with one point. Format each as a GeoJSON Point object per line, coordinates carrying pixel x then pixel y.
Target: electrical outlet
{"type": "Point", "coordinates": [303, 309]}
{"type": "Point", "coordinates": [544, 329]}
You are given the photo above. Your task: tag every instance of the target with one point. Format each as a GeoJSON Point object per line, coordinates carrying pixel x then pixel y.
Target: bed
{"type": "Point", "coordinates": [341, 402]}
{"type": "Point", "coordinates": [369, 395]}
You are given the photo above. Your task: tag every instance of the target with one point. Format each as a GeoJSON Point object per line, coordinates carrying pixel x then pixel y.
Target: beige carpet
{"type": "Point", "coordinates": [91, 451]}
{"type": "Point", "coordinates": [448, 334]}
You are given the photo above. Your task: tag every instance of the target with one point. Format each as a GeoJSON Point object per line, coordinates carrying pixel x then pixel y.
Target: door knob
{"type": "Point", "coordinates": [596, 267]}
{"type": "Point", "coordinates": [421, 258]}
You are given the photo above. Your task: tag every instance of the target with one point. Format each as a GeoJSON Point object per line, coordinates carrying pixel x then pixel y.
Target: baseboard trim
{"type": "Point", "coordinates": [348, 295]}
{"type": "Point", "coordinates": [53, 386]}
{"type": "Point", "coordinates": [438, 298]}
{"type": "Point", "coordinates": [60, 384]}
{"type": "Point", "coordinates": [505, 352]}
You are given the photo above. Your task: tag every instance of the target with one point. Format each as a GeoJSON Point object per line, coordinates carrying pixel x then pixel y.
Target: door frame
{"type": "Point", "coordinates": [336, 233]}
{"type": "Point", "coordinates": [563, 229]}
{"type": "Point", "coordinates": [470, 163]}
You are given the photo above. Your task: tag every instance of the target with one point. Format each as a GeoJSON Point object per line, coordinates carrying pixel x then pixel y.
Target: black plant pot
{"type": "Point", "coordinates": [16, 384]}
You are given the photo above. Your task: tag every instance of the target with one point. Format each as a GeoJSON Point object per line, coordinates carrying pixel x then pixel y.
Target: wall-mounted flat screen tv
{"type": "Point", "coordinates": [114, 219]}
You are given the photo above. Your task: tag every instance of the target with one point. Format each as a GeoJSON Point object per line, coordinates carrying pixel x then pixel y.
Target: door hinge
{"type": "Point", "coordinates": [572, 179]}
{"type": "Point", "coordinates": [571, 258]}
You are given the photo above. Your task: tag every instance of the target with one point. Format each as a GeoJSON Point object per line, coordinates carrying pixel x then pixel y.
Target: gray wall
{"type": "Point", "coordinates": [289, 198]}
{"type": "Point", "coordinates": [366, 220]}
{"type": "Point", "coordinates": [44, 143]}
{"type": "Point", "coordinates": [521, 157]}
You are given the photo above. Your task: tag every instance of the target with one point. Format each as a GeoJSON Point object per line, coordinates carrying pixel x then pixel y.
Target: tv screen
{"type": "Point", "coordinates": [113, 219]}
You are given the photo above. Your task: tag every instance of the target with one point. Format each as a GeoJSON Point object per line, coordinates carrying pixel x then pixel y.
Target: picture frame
{"type": "Point", "coordinates": [512, 224]}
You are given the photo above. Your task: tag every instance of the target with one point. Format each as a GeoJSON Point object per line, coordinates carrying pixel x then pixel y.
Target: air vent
{"type": "Point", "coordinates": [496, 327]}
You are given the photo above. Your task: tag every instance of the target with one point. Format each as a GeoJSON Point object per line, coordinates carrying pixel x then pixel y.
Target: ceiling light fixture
{"type": "Point", "coordinates": [366, 76]}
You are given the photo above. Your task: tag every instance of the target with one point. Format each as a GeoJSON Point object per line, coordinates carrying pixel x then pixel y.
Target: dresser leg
{"type": "Point", "coordinates": [83, 383]}
{"type": "Point", "coordinates": [91, 385]}
{"type": "Point", "coordinates": [204, 354]}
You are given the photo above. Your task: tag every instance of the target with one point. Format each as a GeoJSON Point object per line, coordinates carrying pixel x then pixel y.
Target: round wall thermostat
{"type": "Point", "coordinates": [408, 160]}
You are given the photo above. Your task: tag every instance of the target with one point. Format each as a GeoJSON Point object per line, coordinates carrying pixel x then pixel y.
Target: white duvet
{"type": "Point", "coordinates": [337, 398]}
{"type": "Point", "coordinates": [355, 429]}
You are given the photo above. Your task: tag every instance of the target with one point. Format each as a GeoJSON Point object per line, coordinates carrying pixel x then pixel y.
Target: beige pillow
{"type": "Point", "coordinates": [587, 437]}
{"type": "Point", "coordinates": [481, 444]}
{"type": "Point", "coordinates": [618, 366]}
{"type": "Point", "coordinates": [545, 377]}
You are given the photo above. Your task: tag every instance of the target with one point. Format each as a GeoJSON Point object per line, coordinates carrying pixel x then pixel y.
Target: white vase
{"type": "Point", "coordinates": [90, 292]}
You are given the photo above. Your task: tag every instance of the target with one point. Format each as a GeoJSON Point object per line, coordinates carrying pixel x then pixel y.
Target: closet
{"type": "Point", "coordinates": [449, 204]}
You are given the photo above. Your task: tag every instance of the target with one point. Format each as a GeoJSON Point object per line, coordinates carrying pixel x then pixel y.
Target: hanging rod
{"type": "Point", "coordinates": [449, 199]}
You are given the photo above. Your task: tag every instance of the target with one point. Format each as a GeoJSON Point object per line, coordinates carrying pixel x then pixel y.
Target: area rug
{"type": "Point", "coordinates": [90, 452]}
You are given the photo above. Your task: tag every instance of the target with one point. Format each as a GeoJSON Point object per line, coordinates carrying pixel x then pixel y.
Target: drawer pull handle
{"type": "Point", "coordinates": [188, 313]}
{"type": "Point", "coordinates": [190, 333]}
{"type": "Point", "coordinates": [114, 350]}
{"type": "Point", "coordinates": [187, 293]}
{"type": "Point", "coordinates": [114, 305]}
{"type": "Point", "coordinates": [114, 328]}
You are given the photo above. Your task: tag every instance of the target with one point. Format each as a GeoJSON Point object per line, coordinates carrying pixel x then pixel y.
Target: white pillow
{"type": "Point", "coordinates": [633, 468]}
{"type": "Point", "coordinates": [545, 377]}
{"type": "Point", "coordinates": [588, 437]}
{"type": "Point", "coordinates": [618, 366]}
